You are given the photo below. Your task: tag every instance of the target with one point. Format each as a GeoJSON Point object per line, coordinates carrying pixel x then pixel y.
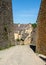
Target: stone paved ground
{"type": "Point", "coordinates": [19, 55]}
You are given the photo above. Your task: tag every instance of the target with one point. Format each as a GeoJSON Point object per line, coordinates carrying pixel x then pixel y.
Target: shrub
{"type": "Point", "coordinates": [18, 40]}
{"type": "Point", "coordinates": [34, 25]}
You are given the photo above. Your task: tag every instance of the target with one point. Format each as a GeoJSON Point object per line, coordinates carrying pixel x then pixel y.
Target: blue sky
{"type": "Point", "coordinates": [25, 11]}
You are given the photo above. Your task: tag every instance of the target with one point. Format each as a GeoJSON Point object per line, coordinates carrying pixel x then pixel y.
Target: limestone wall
{"type": "Point", "coordinates": [41, 31]}
{"type": "Point", "coordinates": [6, 23]}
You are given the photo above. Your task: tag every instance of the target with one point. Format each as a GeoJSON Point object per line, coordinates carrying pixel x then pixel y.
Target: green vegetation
{"type": "Point", "coordinates": [6, 47]}
{"type": "Point", "coordinates": [17, 39]}
{"type": "Point", "coordinates": [1, 48]}
{"type": "Point", "coordinates": [34, 25]}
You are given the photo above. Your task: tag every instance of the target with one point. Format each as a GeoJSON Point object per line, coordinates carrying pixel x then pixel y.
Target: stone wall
{"type": "Point", "coordinates": [41, 31]}
{"type": "Point", "coordinates": [34, 36]}
{"type": "Point", "coordinates": [6, 23]}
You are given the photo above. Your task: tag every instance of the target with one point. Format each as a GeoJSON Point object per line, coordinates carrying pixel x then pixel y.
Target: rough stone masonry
{"type": "Point", "coordinates": [41, 31]}
{"type": "Point", "coordinates": [6, 23]}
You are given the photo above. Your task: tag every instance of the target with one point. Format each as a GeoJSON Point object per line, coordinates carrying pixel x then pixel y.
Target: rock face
{"type": "Point", "coordinates": [6, 23]}
{"type": "Point", "coordinates": [27, 40]}
{"type": "Point", "coordinates": [41, 32]}
{"type": "Point", "coordinates": [23, 33]}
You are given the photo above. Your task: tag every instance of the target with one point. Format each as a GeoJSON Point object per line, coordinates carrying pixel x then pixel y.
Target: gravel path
{"type": "Point", "coordinates": [19, 55]}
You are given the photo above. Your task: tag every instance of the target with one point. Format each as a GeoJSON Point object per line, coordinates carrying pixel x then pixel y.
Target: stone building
{"type": "Point", "coordinates": [41, 31]}
{"type": "Point", "coordinates": [6, 23]}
